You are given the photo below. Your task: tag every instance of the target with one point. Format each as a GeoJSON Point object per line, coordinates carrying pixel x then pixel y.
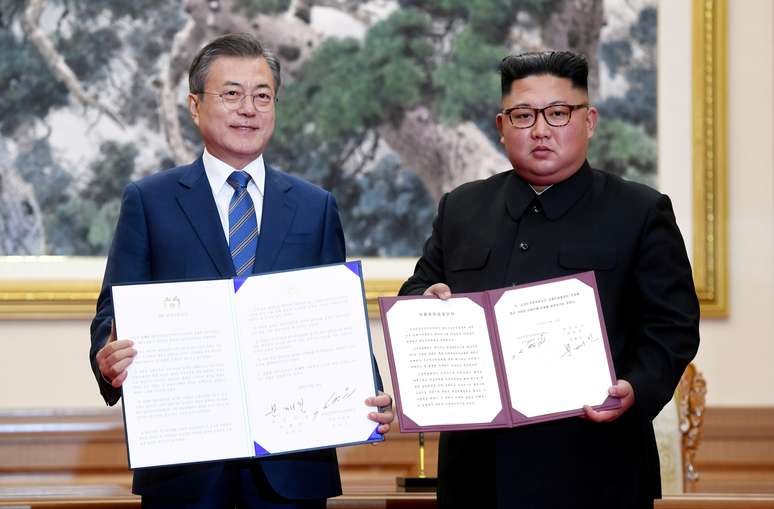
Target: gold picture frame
{"type": "Point", "coordinates": [49, 287]}
{"type": "Point", "coordinates": [71, 290]}
{"type": "Point", "coordinates": [710, 155]}
{"type": "Point", "coordinates": [24, 294]}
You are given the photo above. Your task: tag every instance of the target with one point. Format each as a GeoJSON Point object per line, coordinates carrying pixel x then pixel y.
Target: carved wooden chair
{"type": "Point", "coordinates": [678, 433]}
{"type": "Point", "coordinates": [691, 395]}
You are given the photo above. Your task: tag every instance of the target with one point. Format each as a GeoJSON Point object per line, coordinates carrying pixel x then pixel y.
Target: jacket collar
{"type": "Point", "coordinates": [555, 201]}
{"type": "Point", "coordinates": [195, 198]}
{"type": "Point", "coordinates": [278, 212]}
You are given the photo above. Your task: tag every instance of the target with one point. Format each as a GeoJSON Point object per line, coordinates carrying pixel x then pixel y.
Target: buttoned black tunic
{"type": "Point", "coordinates": [497, 232]}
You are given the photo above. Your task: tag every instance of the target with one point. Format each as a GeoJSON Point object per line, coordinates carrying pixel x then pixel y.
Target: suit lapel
{"type": "Point", "coordinates": [195, 198]}
{"type": "Point", "coordinates": [278, 212]}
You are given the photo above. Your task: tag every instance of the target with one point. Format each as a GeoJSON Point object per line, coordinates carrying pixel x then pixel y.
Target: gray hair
{"type": "Point", "coordinates": [230, 45]}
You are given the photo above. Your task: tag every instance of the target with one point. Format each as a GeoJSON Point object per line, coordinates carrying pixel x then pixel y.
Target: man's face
{"type": "Point", "coordinates": [235, 135]}
{"type": "Point", "coordinates": [544, 155]}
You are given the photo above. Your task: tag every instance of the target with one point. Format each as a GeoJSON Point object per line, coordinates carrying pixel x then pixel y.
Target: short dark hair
{"type": "Point", "coordinates": [562, 64]}
{"type": "Point", "coordinates": [230, 45]}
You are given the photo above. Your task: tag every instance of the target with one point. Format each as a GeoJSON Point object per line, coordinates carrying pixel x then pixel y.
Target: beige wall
{"type": "Point", "coordinates": [735, 353]}
{"type": "Point", "coordinates": [44, 364]}
{"type": "Point", "coordinates": [738, 352]}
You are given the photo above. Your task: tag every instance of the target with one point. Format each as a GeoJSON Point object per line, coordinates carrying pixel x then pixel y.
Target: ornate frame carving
{"type": "Point", "coordinates": [710, 155]}
{"type": "Point", "coordinates": [691, 405]}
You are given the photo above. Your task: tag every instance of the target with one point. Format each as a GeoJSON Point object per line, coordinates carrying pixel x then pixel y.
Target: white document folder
{"type": "Point", "coordinates": [246, 367]}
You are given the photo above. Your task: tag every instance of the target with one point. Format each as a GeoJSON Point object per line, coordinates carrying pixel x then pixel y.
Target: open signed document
{"type": "Point", "coordinates": [501, 358]}
{"type": "Point", "coordinates": [246, 367]}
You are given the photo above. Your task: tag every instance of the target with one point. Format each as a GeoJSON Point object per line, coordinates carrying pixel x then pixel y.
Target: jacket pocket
{"type": "Point", "coordinates": [588, 258]}
{"type": "Point", "coordinates": [468, 258]}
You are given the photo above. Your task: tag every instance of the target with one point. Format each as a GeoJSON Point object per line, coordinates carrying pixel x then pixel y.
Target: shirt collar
{"type": "Point", "coordinates": [541, 191]}
{"type": "Point", "coordinates": [555, 200]}
{"type": "Point", "coordinates": [218, 172]}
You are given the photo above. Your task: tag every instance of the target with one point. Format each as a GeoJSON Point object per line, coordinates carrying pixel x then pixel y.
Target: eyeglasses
{"type": "Point", "coordinates": [556, 115]}
{"type": "Point", "coordinates": [232, 99]}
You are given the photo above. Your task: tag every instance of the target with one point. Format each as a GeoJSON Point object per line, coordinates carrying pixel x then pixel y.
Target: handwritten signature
{"type": "Point", "coordinates": [532, 343]}
{"type": "Point", "coordinates": [296, 408]}
{"type": "Point", "coordinates": [569, 345]}
{"type": "Point", "coordinates": [576, 344]}
{"type": "Point", "coordinates": [292, 407]}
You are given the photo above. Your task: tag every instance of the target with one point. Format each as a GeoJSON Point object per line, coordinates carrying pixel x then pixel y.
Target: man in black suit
{"type": "Point", "coordinates": [554, 215]}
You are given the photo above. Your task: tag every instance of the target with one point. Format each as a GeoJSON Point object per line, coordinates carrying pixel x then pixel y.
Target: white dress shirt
{"type": "Point", "coordinates": [540, 192]}
{"type": "Point", "coordinates": [218, 172]}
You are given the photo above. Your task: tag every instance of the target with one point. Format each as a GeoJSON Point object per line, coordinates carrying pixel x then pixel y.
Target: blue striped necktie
{"type": "Point", "coordinates": [243, 228]}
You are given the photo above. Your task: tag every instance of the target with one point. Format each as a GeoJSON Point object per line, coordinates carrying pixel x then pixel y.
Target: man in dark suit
{"type": "Point", "coordinates": [553, 215]}
{"type": "Point", "coordinates": [228, 213]}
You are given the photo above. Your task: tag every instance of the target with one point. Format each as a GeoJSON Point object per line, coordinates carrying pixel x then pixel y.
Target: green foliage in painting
{"type": "Point", "coordinates": [441, 55]}
{"type": "Point", "coordinates": [467, 82]}
{"type": "Point", "coordinates": [28, 89]}
{"type": "Point", "coordinates": [79, 217]}
{"type": "Point", "coordinates": [624, 149]}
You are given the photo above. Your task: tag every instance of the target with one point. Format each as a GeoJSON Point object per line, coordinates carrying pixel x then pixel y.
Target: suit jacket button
{"type": "Point", "coordinates": [523, 246]}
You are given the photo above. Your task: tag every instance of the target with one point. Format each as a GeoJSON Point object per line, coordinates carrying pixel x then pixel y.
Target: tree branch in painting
{"type": "Point", "coordinates": [387, 103]}
{"type": "Point", "coordinates": [56, 63]}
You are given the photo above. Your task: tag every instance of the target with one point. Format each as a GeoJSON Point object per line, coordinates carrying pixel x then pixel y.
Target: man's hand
{"type": "Point", "coordinates": [385, 416]}
{"type": "Point", "coordinates": [114, 358]}
{"type": "Point", "coordinates": [622, 389]}
{"type": "Point", "coordinates": [440, 290]}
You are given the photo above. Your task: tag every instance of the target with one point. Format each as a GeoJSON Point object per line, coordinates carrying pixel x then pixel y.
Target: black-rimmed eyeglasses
{"type": "Point", "coordinates": [556, 115]}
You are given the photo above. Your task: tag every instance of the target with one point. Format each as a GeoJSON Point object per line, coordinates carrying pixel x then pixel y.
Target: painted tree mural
{"type": "Point", "coordinates": [387, 103]}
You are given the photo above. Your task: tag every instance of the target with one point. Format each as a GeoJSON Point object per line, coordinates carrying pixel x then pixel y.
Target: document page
{"type": "Point", "coordinates": [442, 361]}
{"type": "Point", "coordinates": [553, 350]}
{"type": "Point", "coordinates": [306, 359]}
{"type": "Point", "coordinates": [183, 399]}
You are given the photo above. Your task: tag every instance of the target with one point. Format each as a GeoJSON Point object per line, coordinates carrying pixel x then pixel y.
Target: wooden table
{"type": "Point", "coordinates": [358, 494]}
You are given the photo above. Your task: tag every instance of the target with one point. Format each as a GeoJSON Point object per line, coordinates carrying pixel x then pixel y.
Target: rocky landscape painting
{"type": "Point", "coordinates": [387, 103]}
